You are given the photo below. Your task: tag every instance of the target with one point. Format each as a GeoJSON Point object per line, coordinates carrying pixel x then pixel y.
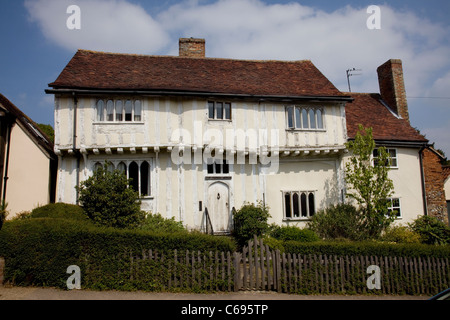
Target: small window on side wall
{"type": "Point", "coordinates": [219, 110]}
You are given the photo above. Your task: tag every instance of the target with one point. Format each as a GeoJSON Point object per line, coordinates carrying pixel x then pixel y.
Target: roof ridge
{"type": "Point", "coordinates": [191, 58]}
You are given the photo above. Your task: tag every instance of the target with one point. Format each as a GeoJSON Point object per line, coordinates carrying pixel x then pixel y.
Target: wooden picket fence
{"type": "Point", "coordinates": [260, 268]}
{"type": "Point", "coordinates": [257, 267]}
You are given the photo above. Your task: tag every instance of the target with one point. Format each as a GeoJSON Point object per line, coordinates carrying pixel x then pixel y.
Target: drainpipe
{"type": "Point", "coordinates": [422, 176]}
{"type": "Point", "coordinates": [74, 143]}
{"type": "Point", "coordinates": [9, 123]}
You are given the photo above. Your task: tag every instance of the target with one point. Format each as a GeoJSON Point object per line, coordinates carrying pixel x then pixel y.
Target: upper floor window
{"type": "Point", "coordinates": [304, 118]}
{"type": "Point", "coordinates": [118, 110]}
{"type": "Point", "coordinates": [219, 110]}
{"type": "Point", "coordinates": [393, 161]}
{"type": "Point", "coordinates": [218, 167]}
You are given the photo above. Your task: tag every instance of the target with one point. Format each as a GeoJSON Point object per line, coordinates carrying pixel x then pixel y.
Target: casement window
{"type": "Point", "coordinates": [118, 110]}
{"type": "Point", "coordinates": [394, 205]}
{"type": "Point", "coordinates": [393, 160]}
{"type": "Point", "coordinates": [136, 170]}
{"type": "Point", "coordinates": [219, 110]}
{"type": "Point", "coordinates": [304, 118]}
{"type": "Point", "coordinates": [217, 167]}
{"type": "Point", "coordinates": [299, 204]}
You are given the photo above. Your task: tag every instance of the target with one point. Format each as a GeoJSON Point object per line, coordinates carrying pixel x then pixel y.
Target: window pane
{"type": "Point", "coordinates": [304, 205]}
{"type": "Point", "coordinates": [210, 168]}
{"type": "Point", "coordinates": [312, 119]}
{"type": "Point", "coordinates": [287, 205]}
{"type": "Point", "coordinates": [110, 110]}
{"type": "Point", "coordinates": [122, 167]}
{"type": "Point", "coordinates": [219, 110]}
{"type": "Point", "coordinates": [211, 110]}
{"type": "Point", "coordinates": [319, 119]}
{"type": "Point", "coordinates": [145, 179]}
{"type": "Point", "coordinates": [134, 176]}
{"type": "Point", "coordinates": [128, 110]}
{"type": "Point", "coordinates": [119, 110]}
{"type": "Point", "coordinates": [298, 122]}
{"type": "Point", "coordinates": [218, 167]}
{"type": "Point", "coordinates": [311, 204]}
{"type": "Point", "coordinates": [226, 168]}
{"type": "Point", "coordinates": [290, 116]}
{"type": "Point", "coordinates": [393, 156]}
{"type": "Point", "coordinates": [97, 166]}
{"type": "Point", "coordinates": [305, 119]}
{"type": "Point", "coordinates": [110, 167]}
{"type": "Point", "coordinates": [100, 106]}
{"type": "Point", "coordinates": [227, 107]}
{"type": "Point", "coordinates": [137, 110]}
{"type": "Point", "coordinates": [296, 205]}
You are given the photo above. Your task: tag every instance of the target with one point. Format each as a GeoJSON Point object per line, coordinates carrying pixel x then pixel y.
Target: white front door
{"type": "Point", "coordinates": [218, 207]}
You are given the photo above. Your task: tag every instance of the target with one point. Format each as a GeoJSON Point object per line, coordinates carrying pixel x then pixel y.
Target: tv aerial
{"type": "Point", "coordinates": [352, 72]}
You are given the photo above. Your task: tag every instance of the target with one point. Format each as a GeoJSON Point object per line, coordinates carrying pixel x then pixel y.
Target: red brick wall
{"type": "Point", "coordinates": [190, 47]}
{"type": "Point", "coordinates": [434, 185]}
{"type": "Point", "coordinates": [392, 86]}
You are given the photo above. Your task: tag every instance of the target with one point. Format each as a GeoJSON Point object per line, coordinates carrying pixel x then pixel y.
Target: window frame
{"type": "Point", "coordinates": [300, 207]}
{"type": "Point", "coordinates": [118, 108]}
{"type": "Point", "coordinates": [391, 206]}
{"type": "Point", "coordinates": [299, 119]}
{"type": "Point", "coordinates": [115, 163]}
{"type": "Point", "coordinates": [215, 105]}
{"type": "Point", "coordinates": [388, 150]}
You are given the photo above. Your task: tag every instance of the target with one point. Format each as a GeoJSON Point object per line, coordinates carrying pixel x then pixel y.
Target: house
{"type": "Point", "coordinates": [27, 161]}
{"type": "Point", "coordinates": [446, 177]}
{"type": "Point", "coordinates": [200, 134]}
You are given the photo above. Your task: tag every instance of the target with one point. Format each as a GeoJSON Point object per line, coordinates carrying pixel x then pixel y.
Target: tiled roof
{"type": "Point", "coordinates": [369, 110]}
{"type": "Point", "coordinates": [29, 125]}
{"type": "Point", "coordinates": [111, 71]}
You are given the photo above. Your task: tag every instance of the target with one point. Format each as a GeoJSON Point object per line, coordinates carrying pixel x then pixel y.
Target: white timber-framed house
{"type": "Point", "coordinates": [197, 133]}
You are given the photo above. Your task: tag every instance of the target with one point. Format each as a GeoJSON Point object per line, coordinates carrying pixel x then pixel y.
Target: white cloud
{"type": "Point", "coordinates": [116, 26]}
{"type": "Point", "coordinates": [253, 29]}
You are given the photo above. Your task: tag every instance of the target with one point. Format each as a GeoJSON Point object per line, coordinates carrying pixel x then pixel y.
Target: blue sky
{"type": "Point", "coordinates": [36, 44]}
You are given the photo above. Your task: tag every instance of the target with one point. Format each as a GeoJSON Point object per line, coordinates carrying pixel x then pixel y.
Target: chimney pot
{"type": "Point", "coordinates": [192, 47]}
{"type": "Point", "coordinates": [392, 86]}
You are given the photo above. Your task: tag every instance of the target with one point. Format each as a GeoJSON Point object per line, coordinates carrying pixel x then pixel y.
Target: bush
{"type": "Point", "coordinates": [367, 248]}
{"type": "Point", "coordinates": [38, 251]}
{"type": "Point", "coordinates": [338, 221]}
{"type": "Point", "coordinates": [156, 223]}
{"type": "Point", "coordinates": [59, 211]}
{"type": "Point", "coordinates": [401, 234]}
{"type": "Point", "coordinates": [250, 220]}
{"type": "Point", "coordinates": [108, 201]}
{"type": "Point", "coordinates": [431, 230]}
{"type": "Point", "coordinates": [286, 233]}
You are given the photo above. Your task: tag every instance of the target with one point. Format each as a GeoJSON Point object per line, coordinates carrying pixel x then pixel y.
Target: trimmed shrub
{"type": "Point", "coordinates": [108, 200]}
{"type": "Point", "coordinates": [401, 234]}
{"type": "Point", "coordinates": [338, 221]}
{"type": "Point", "coordinates": [59, 211]}
{"type": "Point", "coordinates": [431, 230]}
{"type": "Point", "coordinates": [342, 248]}
{"type": "Point", "coordinates": [38, 251]}
{"type": "Point", "coordinates": [250, 220]}
{"type": "Point", "coordinates": [286, 233]}
{"type": "Point", "coordinates": [156, 223]}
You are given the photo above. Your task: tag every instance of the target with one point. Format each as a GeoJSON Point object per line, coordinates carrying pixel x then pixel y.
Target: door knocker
{"type": "Point", "coordinates": [218, 196]}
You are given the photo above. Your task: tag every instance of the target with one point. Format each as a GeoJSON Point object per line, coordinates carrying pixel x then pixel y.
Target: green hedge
{"type": "Point", "coordinates": [38, 251]}
{"type": "Point", "coordinates": [366, 248]}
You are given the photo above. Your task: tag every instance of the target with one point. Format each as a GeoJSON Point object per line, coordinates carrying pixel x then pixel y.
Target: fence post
{"type": "Point", "coordinates": [2, 268]}
{"type": "Point", "coordinates": [237, 272]}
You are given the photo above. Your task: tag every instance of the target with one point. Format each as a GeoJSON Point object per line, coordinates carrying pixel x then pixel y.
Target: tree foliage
{"type": "Point", "coordinates": [369, 183]}
{"type": "Point", "coordinates": [108, 200]}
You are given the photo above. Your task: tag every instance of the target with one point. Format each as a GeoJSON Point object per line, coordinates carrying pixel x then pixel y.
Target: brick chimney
{"type": "Point", "coordinates": [392, 87]}
{"type": "Point", "coordinates": [192, 47]}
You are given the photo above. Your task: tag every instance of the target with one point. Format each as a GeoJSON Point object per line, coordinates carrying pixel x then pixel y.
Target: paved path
{"type": "Point", "coordinates": [36, 293]}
